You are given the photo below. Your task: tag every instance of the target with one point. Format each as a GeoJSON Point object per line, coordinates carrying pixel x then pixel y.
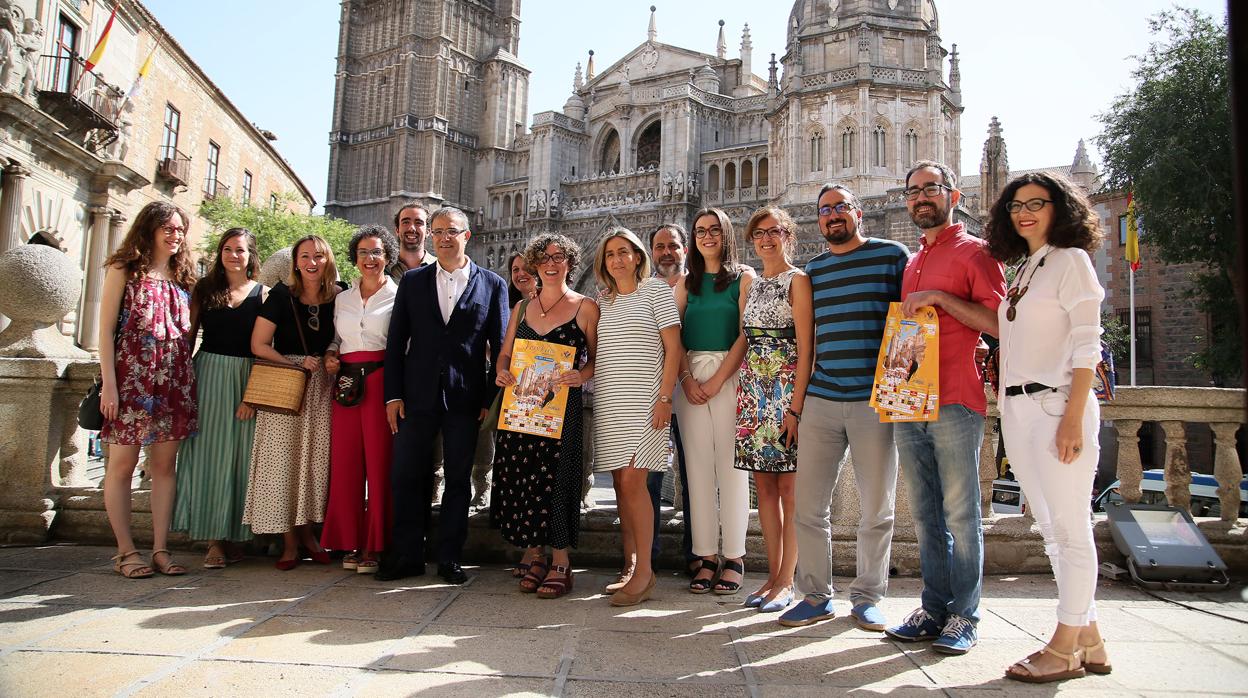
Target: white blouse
{"type": "Point", "coordinates": [1057, 322]}
{"type": "Point", "coordinates": [360, 325]}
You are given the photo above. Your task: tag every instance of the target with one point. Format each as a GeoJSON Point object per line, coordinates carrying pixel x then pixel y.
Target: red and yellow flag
{"type": "Point", "coordinates": [1132, 249]}
{"type": "Point", "coordinates": [98, 52]}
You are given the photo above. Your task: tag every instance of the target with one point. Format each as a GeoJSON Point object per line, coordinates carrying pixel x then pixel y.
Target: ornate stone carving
{"type": "Point", "coordinates": [678, 188]}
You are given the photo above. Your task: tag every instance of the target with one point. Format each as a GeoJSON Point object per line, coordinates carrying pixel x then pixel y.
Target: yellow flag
{"type": "Point", "coordinates": [1132, 249]}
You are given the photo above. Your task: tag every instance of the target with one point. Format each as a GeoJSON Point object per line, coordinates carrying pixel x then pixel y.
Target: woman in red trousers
{"type": "Point", "coordinates": [359, 510]}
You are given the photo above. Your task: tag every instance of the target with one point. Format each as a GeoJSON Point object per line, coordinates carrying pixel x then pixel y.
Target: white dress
{"type": "Point", "coordinates": [628, 369]}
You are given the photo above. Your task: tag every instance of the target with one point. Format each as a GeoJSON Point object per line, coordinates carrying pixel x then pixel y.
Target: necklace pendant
{"type": "Point", "coordinates": [543, 314]}
{"type": "Point", "coordinates": [1010, 313]}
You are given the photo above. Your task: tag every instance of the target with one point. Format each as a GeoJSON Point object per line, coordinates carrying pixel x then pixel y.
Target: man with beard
{"type": "Point", "coordinates": [853, 282]}
{"type": "Point", "coordinates": [668, 244]}
{"type": "Point", "coordinates": [953, 273]}
{"type": "Point", "coordinates": [409, 228]}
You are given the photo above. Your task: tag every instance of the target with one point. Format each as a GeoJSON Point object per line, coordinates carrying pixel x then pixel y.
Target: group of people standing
{"type": "Point", "coordinates": [699, 361]}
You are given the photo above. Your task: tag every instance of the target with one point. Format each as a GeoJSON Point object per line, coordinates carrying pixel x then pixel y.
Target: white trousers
{"type": "Point", "coordinates": [719, 494]}
{"type": "Point", "coordinates": [1058, 495]}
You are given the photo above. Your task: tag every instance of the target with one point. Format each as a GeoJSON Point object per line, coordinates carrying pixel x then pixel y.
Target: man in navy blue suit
{"type": "Point", "coordinates": [445, 334]}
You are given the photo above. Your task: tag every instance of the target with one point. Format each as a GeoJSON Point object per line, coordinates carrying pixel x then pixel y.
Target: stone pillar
{"type": "Point", "coordinates": [97, 251]}
{"type": "Point", "coordinates": [116, 231]}
{"type": "Point", "coordinates": [12, 187]}
{"type": "Point", "coordinates": [1130, 470]}
{"type": "Point", "coordinates": [1178, 474]}
{"type": "Point", "coordinates": [1226, 468]}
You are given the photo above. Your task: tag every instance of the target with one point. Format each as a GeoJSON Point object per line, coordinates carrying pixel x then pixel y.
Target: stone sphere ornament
{"type": "Point", "coordinates": [39, 285]}
{"type": "Point", "coordinates": [276, 268]}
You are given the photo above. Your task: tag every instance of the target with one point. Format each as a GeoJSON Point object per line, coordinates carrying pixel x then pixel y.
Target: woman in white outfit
{"type": "Point", "coordinates": [1050, 344]}
{"type": "Point", "coordinates": [710, 309]}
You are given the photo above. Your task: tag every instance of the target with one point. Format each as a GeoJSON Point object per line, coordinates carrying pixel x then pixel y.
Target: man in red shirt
{"type": "Point", "coordinates": [940, 459]}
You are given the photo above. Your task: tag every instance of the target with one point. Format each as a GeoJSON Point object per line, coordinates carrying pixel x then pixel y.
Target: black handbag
{"type": "Point", "coordinates": [89, 415]}
{"type": "Point", "coordinates": [349, 385]}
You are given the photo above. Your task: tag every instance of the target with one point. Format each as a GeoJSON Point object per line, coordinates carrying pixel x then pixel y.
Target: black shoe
{"type": "Point", "coordinates": [452, 573]}
{"type": "Point", "coordinates": [390, 570]}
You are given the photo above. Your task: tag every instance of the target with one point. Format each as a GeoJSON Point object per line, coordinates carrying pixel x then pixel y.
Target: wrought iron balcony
{"type": "Point", "coordinates": [79, 97]}
{"type": "Point", "coordinates": [214, 188]}
{"type": "Point", "coordinates": [174, 165]}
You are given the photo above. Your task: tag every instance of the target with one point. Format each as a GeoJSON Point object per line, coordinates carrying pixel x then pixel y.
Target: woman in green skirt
{"type": "Point", "coordinates": [212, 466]}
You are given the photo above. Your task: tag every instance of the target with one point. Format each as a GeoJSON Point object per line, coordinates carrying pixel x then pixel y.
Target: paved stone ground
{"type": "Point", "coordinates": [69, 627]}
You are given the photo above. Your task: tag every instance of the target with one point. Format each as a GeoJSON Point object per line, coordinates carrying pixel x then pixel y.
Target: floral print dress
{"type": "Point", "coordinates": [155, 379]}
{"type": "Point", "coordinates": [768, 373]}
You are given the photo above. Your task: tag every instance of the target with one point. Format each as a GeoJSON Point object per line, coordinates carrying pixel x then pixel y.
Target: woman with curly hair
{"type": "Point", "coordinates": [147, 393]}
{"type": "Point", "coordinates": [777, 319]}
{"type": "Point", "coordinates": [213, 465]}
{"type": "Point", "coordinates": [537, 478]}
{"type": "Point", "coordinates": [357, 520]}
{"type": "Point", "coordinates": [1050, 327]}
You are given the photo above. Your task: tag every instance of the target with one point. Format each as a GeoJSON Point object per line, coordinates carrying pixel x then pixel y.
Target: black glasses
{"type": "Point", "coordinates": [841, 208]}
{"type": "Point", "coordinates": [714, 231]}
{"type": "Point", "coordinates": [1032, 205]}
{"type": "Point", "coordinates": [557, 258]}
{"type": "Point", "coordinates": [931, 191]}
{"type": "Point", "coordinates": [445, 232]}
{"type": "Point", "coordinates": [760, 233]}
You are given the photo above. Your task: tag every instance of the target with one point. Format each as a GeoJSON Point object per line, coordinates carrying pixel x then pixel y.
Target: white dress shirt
{"type": "Point", "coordinates": [451, 285]}
{"type": "Point", "coordinates": [361, 325]}
{"type": "Point", "coordinates": [1057, 325]}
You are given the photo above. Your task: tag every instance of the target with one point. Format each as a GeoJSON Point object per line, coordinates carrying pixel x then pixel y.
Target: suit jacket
{"type": "Point", "coordinates": [428, 360]}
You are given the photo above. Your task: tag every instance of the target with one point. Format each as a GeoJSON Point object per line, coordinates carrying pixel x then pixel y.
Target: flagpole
{"type": "Point", "coordinates": [1132, 324]}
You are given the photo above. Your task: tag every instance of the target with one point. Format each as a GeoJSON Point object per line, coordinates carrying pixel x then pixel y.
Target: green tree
{"type": "Point", "coordinates": [1168, 139]}
{"type": "Point", "coordinates": [277, 228]}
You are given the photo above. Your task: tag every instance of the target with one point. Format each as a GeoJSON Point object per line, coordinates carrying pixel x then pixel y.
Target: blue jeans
{"type": "Point", "coordinates": [940, 461]}
{"type": "Point", "coordinates": [654, 483]}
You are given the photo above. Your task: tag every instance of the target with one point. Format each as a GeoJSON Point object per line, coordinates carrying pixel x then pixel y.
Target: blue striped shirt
{"type": "Point", "coordinates": [851, 296]}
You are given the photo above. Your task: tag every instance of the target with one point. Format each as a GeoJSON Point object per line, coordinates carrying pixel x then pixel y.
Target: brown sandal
{"type": "Point", "coordinates": [1031, 674]}
{"type": "Point", "coordinates": [554, 588]}
{"type": "Point", "coordinates": [533, 578]}
{"type": "Point", "coordinates": [169, 569]}
{"type": "Point", "coordinates": [135, 569]}
{"type": "Point", "coordinates": [214, 559]}
{"type": "Point", "coordinates": [1095, 667]}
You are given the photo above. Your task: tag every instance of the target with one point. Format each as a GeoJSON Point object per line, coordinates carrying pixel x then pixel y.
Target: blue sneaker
{"type": "Point", "coordinates": [868, 616]}
{"type": "Point", "coordinates": [917, 627]}
{"type": "Point", "coordinates": [958, 637]}
{"type": "Point", "coordinates": [805, 613]}
{"type": "Point", "coordinates": [777, 604]}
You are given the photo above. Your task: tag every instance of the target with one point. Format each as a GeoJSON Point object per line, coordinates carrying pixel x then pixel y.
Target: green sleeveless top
{"type": "Point", "coordinates": [712, 318]}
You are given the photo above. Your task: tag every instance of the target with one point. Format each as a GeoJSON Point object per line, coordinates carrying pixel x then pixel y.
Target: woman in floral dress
{"type": "Point", "coordinates": [147, 393]}
{"type": "Point", "coordinates": [778, 323]}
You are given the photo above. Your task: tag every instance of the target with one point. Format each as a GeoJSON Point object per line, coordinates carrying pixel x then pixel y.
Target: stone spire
{"type": "Point", "coordinates": [576, 78]}
{"type": "Point", "coordinates": [747, 55]}
{"type": "Point", "coordinates": [721, 46]}
{"type": "Point", "coordinates": [652, 33]}
{"type": "Point", "coordinates": [575, 106]}
{"type": "Point", "coordinates": [955, 76]}
{"type": "Point", "coordinates": [994, 168]}
{"type": "Point", "coordinates": [589, 67]}
{"type": "Point", "coordinates": [1082, 171]}
{"type": "Point", "coordinates": [773, 84]}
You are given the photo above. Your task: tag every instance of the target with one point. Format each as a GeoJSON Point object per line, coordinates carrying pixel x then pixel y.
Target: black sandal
{"type": "Point", "coordinates": [724, 588]}
{"type": "Point", "coordinates": [702, 586]}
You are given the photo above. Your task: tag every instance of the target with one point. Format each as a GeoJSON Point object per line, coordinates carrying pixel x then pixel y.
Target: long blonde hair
{"type": "Point", "coordinates": [329, 276]}
{"type": "Point", "coordinates": [600, 260]}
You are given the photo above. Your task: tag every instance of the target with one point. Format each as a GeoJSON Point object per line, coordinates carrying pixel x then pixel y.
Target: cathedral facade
{"type": "Point", "coordinates": [863, 89]}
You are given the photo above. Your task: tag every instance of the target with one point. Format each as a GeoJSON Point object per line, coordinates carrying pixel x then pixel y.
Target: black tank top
{"type": "Point", "coordinates": [228, 330]}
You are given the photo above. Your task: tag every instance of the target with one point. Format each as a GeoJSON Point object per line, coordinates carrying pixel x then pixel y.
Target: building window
{"type": "Point", "coordinates": [1122, 230]}
{"type": "Point", "coordinates": [847, 147]}
{"type": "Point", "coordinates": [816, 152]}
{"type": "Point", "coordinates": [912, 147]}
{"type": "Point", "coordinates": [169, 144]}
{"type": "Point", "coordinates": [878, 146]}
{"type": "Point", "coordinates": [214, 159]}
{"type": "Point", "coordinates": [246, 187]}
{"type": "Point", "coordinates": [65, 67]}
{"type": "Point", "coordinates": [1143, 338]}
{"type": "Point", "coordinates": [273, 201]}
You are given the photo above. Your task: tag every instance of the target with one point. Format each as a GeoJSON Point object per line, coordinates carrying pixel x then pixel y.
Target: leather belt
{"type": "Point", "coordinates": [1027, 389]}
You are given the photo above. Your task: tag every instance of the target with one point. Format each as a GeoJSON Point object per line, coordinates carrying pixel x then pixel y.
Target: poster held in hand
{"type": "Point", "coordinates": [535, 404]}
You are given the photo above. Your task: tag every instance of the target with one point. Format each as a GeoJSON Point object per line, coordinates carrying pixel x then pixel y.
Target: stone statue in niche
{"type": "Point", "coordinates": [540, 196]}
{"type": "Point", "coordinates": [679, 188]}
{"type": "Point", "coordinates": [693, 185]}
{"type": "Point", "coordinates": [666, 186]}
{"type": "Point", "coordinates": [650, 195]}
{"type": "Point", "coordinates": [10, 56]}
{"type": "Point", "coordinates": [532, 204]}
{"type": "Point", "coordinates": [554, 202]}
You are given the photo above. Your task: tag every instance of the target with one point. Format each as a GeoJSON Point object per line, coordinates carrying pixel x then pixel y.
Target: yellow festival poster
{"type": "Point", "coordinates": [907, 373]}
{"type": "Point", "coordinates": [534, 404]}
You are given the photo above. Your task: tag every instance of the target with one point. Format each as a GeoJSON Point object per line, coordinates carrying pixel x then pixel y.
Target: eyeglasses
{"type": "Point", "coordinates": [760, 233]}
{"type": "Point", "coordinates": [1032, 205]}
{"type": "Point", "coordinates": [714, 231]}
{"type": "Point", "coordinates": [446, 232]}
{"type": "Point", "coordinates": [173, 230]}
{"type": "Point", "coordinates": [841, 208]}
{"type": "Point", "coordinates": [371, 253]}
{"type": "Point", "coordinates": [557, 258]}
{"type": "Point", "coordinates": [931, 191]}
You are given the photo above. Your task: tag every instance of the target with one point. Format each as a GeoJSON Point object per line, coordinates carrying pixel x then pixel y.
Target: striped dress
{"type": "Point", "coordinates": [628, 369]}
{"type": "Point", "coordinates": [213, 465]}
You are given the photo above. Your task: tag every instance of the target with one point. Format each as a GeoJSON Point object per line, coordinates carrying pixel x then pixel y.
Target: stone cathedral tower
{"type": "Point", "coordinates": [429, 96]}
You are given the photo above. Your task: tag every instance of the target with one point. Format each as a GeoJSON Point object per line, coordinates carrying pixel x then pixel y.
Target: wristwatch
{"type": "Point", "coordinates": [665, 398]}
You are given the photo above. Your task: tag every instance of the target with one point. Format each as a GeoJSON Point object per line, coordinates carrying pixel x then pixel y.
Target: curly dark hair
{"type": "Point", "coordinates": [213, 290]}
{"type": "Point", "coordinates": [388, 243]}
{"type": "Point", "coordinates": [134, 254]}
{"type": "Point", "coordinates": [1074, 222]}
{"type": "Point", "coordinates": [537, 247]}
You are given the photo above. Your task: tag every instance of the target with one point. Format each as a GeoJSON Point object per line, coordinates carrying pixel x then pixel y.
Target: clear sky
{"type": "Point", "coordinates": [1044, 69]}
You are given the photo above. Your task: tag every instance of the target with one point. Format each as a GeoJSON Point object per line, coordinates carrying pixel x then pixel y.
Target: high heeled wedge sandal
{"type": "Point", "coordinates": [703, 586]}
{"type": "Point", "coordinates": [725, 588]}
{"type": "Point", "coordinates": [553, 587]}
{"type": "Point", "coordinates": [1030, 673]}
